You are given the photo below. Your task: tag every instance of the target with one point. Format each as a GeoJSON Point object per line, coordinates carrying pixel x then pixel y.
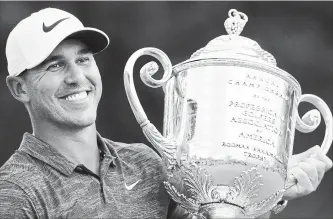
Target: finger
{"type": "Point", "coordinates": [301, 187]}
{"type": "Point", "coordinates": [304, 185]}
{"type": "Point", "coordinates": [320, 167]}
{"type": "Point", "coordinates": [290, 181]}
{"type": "Point", "coordinates": [306, 154]}
{"type": "Point", "coordinates": [314, 150]}
{"type": "Point", "coordinates": [311, 173]}
{"type": "Point", "coordinates": [328, 162]}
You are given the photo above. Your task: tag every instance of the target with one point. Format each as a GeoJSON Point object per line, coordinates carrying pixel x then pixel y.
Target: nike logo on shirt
{"type": "Point", "coordinates": [49, 28]}
{"type": "Point", "coordinates": [130, 187]}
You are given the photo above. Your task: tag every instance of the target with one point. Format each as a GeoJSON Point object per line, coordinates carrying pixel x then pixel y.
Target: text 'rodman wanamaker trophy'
{"type": "Point", "coordinates": [229, 122]}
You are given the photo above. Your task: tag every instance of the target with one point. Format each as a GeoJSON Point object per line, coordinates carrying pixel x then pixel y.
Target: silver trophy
{"type": "Point", "coordinates": [229, 121]}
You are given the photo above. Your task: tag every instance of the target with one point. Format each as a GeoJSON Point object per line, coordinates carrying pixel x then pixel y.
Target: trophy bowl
{"type": "Point", "coordinates": [229, 121]}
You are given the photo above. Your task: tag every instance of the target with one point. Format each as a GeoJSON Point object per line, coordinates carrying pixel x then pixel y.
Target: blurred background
{"type": "Point", "coordinates": [298, 34]}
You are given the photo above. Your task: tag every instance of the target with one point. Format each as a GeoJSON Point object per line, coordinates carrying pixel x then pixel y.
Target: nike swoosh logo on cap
{"type": "Point", "coordinates": [130, 187]}
{"type": "Point", "coordinates": [49, 28]}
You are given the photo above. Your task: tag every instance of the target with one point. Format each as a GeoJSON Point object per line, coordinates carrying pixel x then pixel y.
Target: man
{"type": "Point", "coordinates": [65, 168]}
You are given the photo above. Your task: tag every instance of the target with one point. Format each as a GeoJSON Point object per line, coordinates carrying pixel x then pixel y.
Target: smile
{"type": "Point", "coordinates": [77, 96]}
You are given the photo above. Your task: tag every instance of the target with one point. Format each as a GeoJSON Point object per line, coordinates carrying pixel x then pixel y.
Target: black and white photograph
{"type": "Point", "coordinates": [166, 109]}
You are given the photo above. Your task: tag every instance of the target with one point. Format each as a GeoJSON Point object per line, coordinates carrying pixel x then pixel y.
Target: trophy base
{"type": "Point", "coordinates": [221, 210]}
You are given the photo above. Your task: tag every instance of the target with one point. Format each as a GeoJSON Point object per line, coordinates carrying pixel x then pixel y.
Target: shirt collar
{"type": "Point", "coordinates": [108, 152]}
{"type": "Point", "coordinates": [49, 155]}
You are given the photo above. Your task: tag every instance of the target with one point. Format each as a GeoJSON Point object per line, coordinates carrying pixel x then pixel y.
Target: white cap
{"type": "Point", "coordinates": [35, 37]}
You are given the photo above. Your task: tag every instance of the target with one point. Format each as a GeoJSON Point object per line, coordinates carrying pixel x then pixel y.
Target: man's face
{"type": "Point", "coordinates": [66, 88]}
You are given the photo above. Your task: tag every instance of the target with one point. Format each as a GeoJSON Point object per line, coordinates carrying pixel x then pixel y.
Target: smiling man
{"type": "Point", "coordinates": [65, 169]}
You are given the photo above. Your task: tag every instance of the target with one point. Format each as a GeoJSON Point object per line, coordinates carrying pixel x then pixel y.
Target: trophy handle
{"type": "Point", "coordinates": [166, 146]}
{"type": "Point", "coordinates": [311, 120]}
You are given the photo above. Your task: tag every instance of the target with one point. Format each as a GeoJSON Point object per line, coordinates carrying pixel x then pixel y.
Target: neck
{"type": "Point", "coordinates": [78, 145]}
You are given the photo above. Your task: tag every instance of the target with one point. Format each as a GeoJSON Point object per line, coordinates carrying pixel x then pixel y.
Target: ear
{"type": "Point", "coordinates": [17, 87]}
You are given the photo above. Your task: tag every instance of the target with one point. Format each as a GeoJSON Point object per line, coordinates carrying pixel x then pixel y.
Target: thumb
{"type": "Point", "coordinates": [308, 153]}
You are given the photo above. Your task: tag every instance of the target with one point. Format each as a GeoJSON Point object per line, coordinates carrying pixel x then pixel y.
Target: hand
{"type": "Point", "coordinates": [307, 170]}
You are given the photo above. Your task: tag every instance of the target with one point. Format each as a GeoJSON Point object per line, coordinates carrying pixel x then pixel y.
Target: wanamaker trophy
{"type": "Point", "coordinates": [229, 121]}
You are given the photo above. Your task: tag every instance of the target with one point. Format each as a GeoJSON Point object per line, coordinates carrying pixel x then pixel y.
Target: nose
{"type": "Point", "coordinates": [75, 75]}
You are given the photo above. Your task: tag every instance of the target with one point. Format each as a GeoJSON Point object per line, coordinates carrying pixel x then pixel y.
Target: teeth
{"type": "Point", "coordinates": [77, 96]}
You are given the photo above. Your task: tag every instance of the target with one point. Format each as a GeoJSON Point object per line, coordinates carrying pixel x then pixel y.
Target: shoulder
{"type": "Point", "coordinates": [18, 167]}
{"type": "Point", "coordinates": [21, 172]}
{"type": "Point", "coordinates": [10, 191]}
{"type": "Point", "coordinates": [15, 202]}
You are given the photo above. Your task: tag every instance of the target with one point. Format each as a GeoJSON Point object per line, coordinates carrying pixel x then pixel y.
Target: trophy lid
{"type": "Point", "coordinates": [233, 45]}
{"type": "Point", "coordinates": [235, 50]}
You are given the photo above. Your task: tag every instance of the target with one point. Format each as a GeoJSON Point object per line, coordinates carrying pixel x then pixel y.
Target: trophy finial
{"type": "Point", "coordinates": [235, 23]}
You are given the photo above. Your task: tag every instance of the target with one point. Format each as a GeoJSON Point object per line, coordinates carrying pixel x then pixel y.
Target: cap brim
{"type": "Point", "coordinates": [95, 39]}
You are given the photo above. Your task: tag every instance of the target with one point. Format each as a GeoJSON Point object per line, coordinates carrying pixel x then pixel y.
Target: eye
{"type": "Point", "coordinates": [55, 66]}
{"type": "Point", "coordinates": [83, 60]}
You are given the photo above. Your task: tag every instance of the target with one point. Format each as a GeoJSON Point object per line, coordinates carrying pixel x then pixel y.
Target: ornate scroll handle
{"type": "Point", "coordinates": [165, 146]}
{"type": "Point", "coordinates": [311, 119]}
